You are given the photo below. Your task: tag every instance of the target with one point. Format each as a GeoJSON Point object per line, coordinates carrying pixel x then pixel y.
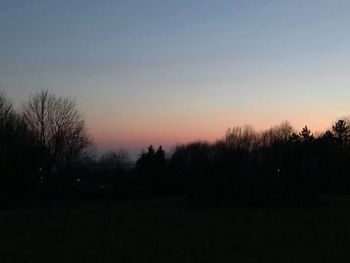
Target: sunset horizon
{"type": "Point", "coordinates": [174, 131]}
{"type": "Point", "coordinates": [175, 72]}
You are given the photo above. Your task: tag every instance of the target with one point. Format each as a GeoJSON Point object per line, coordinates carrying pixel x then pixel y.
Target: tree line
{"type": "Point", "coordinates": [46, 154]}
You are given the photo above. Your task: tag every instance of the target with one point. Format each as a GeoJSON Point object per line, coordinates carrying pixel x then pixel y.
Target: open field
{"type": "Point", "coordinates": [158, 231]}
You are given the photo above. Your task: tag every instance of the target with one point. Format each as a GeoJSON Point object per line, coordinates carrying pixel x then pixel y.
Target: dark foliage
{"type": "Point", "coordinates": [43, 157]}
{"type": "Point", "coordinates": [275, 167]}
{"type": "Point", "coordinates": [19, 155]}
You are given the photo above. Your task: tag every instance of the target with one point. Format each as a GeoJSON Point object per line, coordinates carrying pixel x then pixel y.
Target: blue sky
{"type": "Point", "coordinates": [165, 72]}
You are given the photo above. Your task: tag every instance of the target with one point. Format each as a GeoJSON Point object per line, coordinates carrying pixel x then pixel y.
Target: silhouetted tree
{"type": "Point", "coordinates": [145, 162]}
{"type": "Point", "coordinates": [277, 166]}
{"type": "Point", "coordinates": [160, 157]}
{"type": "Point", "coordinates": [306, 134]}
{"type": "Point", "coordinates": [18, 153]}
{"type": "Point", "coordinates": [341, 131]}
{"type": "Point", "coordinates": [7, 128]}
{"type": "Point", "coordinates": [59, 129]}
{"type": "Point", "coordinates": [151, 171]}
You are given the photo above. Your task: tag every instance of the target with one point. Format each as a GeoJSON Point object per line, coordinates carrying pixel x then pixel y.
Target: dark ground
{"type": "Point", "coordinates": [169, 231]}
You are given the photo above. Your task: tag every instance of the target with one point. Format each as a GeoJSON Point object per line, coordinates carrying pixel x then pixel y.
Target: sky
{"type": "Point", "coordinates": [168, 72]}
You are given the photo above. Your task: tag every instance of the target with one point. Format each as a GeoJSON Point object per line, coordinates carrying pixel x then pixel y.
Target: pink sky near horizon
{"type": "Point", "coordinates": [167, 72]}
{"type": "Point", "coordinates": [138, 136]}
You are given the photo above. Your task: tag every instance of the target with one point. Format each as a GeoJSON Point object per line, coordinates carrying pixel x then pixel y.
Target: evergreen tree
{"type": "Point", "coordinates": [341, 131]}
{"type": "Point", "coordinates": [306, 134]}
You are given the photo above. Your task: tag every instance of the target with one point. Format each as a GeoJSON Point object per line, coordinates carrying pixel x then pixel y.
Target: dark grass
{"type": "Point", "coordinates": [169, 232]}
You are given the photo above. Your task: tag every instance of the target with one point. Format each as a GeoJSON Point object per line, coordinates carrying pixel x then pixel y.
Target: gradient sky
{"type": "Point", "coordinates": [166, 72]}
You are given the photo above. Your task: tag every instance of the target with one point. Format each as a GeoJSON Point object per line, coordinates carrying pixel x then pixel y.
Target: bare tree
{"type": "Point", "coordinates": [245, 138]}
{"type": "Point", "coordinates": [276, 134]}
{"type": "Point", "coordinates": [59, 128]}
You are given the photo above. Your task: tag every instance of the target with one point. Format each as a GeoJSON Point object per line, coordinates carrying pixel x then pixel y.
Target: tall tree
{"type": "Point", "coordinates": [59, 129]}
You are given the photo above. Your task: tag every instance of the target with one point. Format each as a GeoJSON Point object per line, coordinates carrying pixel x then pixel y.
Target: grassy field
{"type": "Point", "coordinates": [159, 231]}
